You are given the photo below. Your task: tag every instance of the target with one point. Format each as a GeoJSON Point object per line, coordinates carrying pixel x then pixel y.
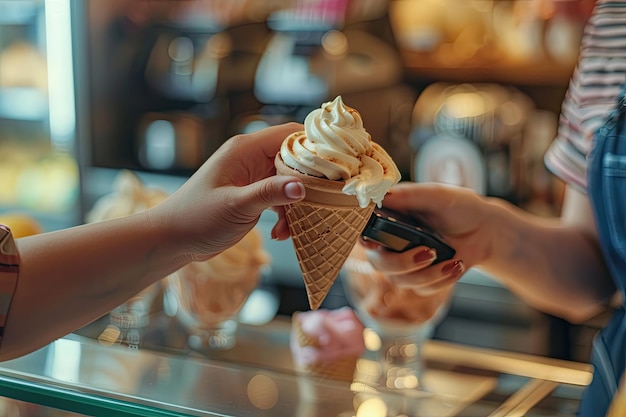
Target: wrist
{"type": "Point", "coordinates": [169, 244]}
{"type": "Point", "coordinates": [506, 226]}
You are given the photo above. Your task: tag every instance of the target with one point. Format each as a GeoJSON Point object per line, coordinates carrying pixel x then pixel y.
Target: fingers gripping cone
{"type": "Point", "coordinates": [324, 228]}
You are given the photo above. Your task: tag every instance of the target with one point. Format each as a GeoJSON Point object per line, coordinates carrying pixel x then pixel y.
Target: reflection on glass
{"type": "Point", "coordinates": [128, 321]}
{"type": "Point", "coordinates": [262, 392]}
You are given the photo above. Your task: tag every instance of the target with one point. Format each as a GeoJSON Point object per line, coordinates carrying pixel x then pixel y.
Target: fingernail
{"type": "Point", "coordinates": [425, 256]}
{"type": "Point", "coordinates": [273, 235]}
{"type": "Point", "coordinates": [294, 190]}
{"type": "Point", "coordinates": [453, 268]}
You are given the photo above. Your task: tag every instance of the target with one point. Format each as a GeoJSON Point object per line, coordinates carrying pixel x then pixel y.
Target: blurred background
{"type": "Point", "coordinates": [458, 91]}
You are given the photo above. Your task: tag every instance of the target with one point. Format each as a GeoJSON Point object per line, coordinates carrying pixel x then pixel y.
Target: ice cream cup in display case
{"type": "Point", "coordinates": [398, 321]}
{"type": "Point", "coordinates": [206, 297]}
{"type": "Point", "coordinates": [345, 174]}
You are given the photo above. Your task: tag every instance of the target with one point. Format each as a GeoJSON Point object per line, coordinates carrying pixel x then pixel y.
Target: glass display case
{"type": "Point", "coordinates": [257, 378]}
{"type": "Point", "coordinates": [40, 179]}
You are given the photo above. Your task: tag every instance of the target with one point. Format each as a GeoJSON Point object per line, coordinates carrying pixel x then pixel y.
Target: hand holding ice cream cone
{"type": "Point", "coordinates": [345, 175]}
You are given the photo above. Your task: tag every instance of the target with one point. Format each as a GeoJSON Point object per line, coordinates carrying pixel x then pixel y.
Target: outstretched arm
{"type": "Point", "coordinates": [71, 277]}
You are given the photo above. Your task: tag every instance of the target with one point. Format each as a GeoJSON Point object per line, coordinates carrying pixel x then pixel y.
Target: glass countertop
{"type": "Point", "coordinates": [257, 378]}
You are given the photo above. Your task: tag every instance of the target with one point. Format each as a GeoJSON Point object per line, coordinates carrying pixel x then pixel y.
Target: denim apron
{"type": "Point", "coordinates": [606, 170]}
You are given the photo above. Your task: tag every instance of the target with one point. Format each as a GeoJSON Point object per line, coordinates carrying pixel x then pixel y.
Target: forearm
{"type": "Point", "coordinates": [554, 266]}
{"type": "Point", "coordinates": [76, 275]}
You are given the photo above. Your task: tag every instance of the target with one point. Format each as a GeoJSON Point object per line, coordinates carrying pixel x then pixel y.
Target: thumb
{"type": "Point", "coordinates": [269, 192]}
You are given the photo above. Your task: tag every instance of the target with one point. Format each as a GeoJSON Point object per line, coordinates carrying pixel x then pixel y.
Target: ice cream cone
{"type": "Point", "coordinates": [324, 228]}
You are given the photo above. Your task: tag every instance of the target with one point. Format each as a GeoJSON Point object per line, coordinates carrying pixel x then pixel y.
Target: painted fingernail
{"type": "Point", "coordinates": [424, 256]}
{"type": "Point", "coordinates": [453, 268]}
{"type": "Point", "coordinates": [294, 190]}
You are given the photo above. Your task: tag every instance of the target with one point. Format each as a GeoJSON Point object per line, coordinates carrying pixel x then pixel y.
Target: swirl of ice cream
{"type": "Point", "coordinates": [331, 335]}
{"type": "Point", "coordinates": [239, 261]}
{"type": "Point", "coordinates": [336, 146]}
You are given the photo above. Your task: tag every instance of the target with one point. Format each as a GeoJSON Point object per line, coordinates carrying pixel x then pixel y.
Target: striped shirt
{"type": "Point", "coordinates": [592, 92]}
{"type": "Point", "coordinates": [9, 267]}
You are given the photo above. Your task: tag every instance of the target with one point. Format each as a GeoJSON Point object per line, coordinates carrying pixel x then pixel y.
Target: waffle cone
{"type": "Point", "coordinates": [324, 228]}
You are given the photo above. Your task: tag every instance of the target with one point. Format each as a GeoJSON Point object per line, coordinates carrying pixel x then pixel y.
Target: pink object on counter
{"type": "Point", "coordinates": [325, 336]}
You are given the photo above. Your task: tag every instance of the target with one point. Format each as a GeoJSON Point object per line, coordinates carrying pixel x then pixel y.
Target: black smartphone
{"type": "Point", "coordinates": [398, 232]}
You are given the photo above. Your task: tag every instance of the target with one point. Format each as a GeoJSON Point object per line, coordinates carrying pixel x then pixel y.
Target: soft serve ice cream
{"type": "Point", "coordinates": [336, 146]}
{"type": "Point", "coordinates": [345, 175]}
{"type": "Point", "coordinates": [209, 292]}
{"type": "Point", "coordinates": [129, 195]}
{"type": "Point", "coordinates": [206, 297]}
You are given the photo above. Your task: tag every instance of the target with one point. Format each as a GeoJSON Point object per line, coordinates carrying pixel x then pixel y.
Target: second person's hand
{"type": "Point", "coordinates": [458, 214]}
